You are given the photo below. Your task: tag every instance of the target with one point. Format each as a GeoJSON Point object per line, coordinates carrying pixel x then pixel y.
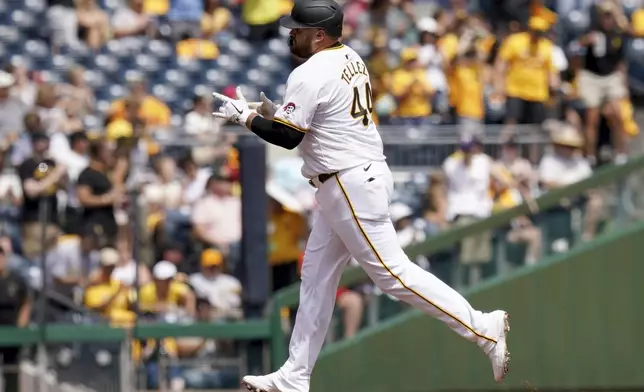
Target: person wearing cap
{"type": "Point", "coordinates": [519, 168]}
{"type": "Point", "coordinates": [525, 72]}
{"type": "Point", "coordinates": [41, 177]}
{"type": "Point", "coordinates": [165, 294]}
{"type": "Point", "coordinates": [12, 110]}
{"type": "Point", "coordinates": [411, 88]}
{"type": "Point", "coordinates": [108, 296]}
{"type": "Point", "coordinates": [222, 291]}
{"type": "Point", "coordinates": [468, 174]}
{"type": "Point", "coordinates": [287, 232]}
{"type": "Point", "coordinates": [603, 79]}
{"type": "Point", "coordinates": [566, 165]}
{"type": "Point", "coordinates": [216, 218]}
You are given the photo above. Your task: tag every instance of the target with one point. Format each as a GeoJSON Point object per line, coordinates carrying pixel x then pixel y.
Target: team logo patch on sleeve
{"type": "Point", "coordinates": [289, 108]}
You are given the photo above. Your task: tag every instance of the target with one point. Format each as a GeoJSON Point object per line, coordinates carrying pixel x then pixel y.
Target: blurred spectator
{"type": "Point", "coordinates": [185, 17]}
{"type": "Point", "coordinates": [41, 178]}
{"type": "Point", "coordinates": [525, 73]}
{"type": "Point", "coordinates": [431, 58]}
{"type": "Point", "coordinates": [199, 120]}
{"type": "Point", "coordinates": [287, 230]}
{"type": "Point", "coordinates": [80, 95]}
{"type": "Point", "coordinates": [11, 199]}
{"type": "Point", "coordinates": [166, 184]}
{"type": "Point", "coordinates": [565, 166]}
{"type": "Point", "coordinates": [519, 168]}
{"type": "Point", "coordinates": [108, 296]}
{"type": "Point", "coordinates": [351, 303]}
{"type": "Point", "coordinates": [407, 228]}
{"type": "Point", "coordinates": [194, 47]}
{"type": "Point", "coordinates": [15, 262]}
{"type": "Point", "coordinates": [93, 23]}
{"type": "Point", "coordinates": [23, 148]}
{"type": "Point", "coordinates": [412, 90]}
{"type": "Point", "coordinates": [70, 262]}
{"type": "Point", "coordinates": [216, 218]}
{"type": "Point", "coordinates": [130, 23]}
{"type": "Point", "coordinates": [150, 110]}
{"type": "Point", "coordinates": [23, 89]}
{"type": "Point", "coordinates": [603, 79]}
{"type": "Point", "coordinates": [469, 75]}
{"type": "Point", "coordinates": [195, 180]}
{"type": "Point", "coordinates": [63, 22]}
{"type": "Point", "coordinates": [12, 110]}
{"type": "Point", "coordinates": [203, 351]}
{"type": "Point", "coordinates": [97, 194]}
{"type": "Point", "coordinates": [216, 18]}
{"type": "Point", "coordinates": [165, 296]}
{"type": "Point", "coordinates": [522, 231]}
{"type": "Point", "coordinates": [468, 174]}
{"type": "Point", "coordinates": [222, 291]}
{"type": "Point", "coordinates": [435, 205]}
{"type": "Point", "coordinates": [52, 116]}
{"type": "Point", "coordinates": [127, 270]}
{"type": "Point", "coordinates": [262, 19]}
{"type": "Point", "coordinates": [15, 311]}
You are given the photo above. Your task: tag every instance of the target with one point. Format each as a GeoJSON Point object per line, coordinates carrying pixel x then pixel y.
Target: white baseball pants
{"type": "Point", "coordinates": [354, 221]}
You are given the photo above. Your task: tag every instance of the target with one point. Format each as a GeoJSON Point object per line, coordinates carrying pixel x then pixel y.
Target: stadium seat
{"type": "Point", "coordinates": [106, 63]}
{"type": "Point", "coordinates": [217, 78]}
{"type": "Point", "coordinates": [116, 91]}
{"type": "Point", "coordinates": [177, 78]}
{"type": "Point", "coordinates": [278, 46]}
{"type": "Point", "coordinates": [147, 63]}
{"type": "Point", "coordinates": [160, 49]}
{"type": "Point", "coordinates": [35, 6]}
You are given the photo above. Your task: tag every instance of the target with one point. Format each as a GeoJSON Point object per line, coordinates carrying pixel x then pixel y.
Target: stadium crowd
{"type": "Point", "coordinates": [87, 100]}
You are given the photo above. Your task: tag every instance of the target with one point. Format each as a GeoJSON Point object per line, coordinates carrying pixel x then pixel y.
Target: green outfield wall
{"type": "Point", "coordinates": [577, 323]}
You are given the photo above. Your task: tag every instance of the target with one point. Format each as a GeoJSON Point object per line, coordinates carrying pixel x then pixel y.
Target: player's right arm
{"type": "Point", "coordinates": [292, 119]}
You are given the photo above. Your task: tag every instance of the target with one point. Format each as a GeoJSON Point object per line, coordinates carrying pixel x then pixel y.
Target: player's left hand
{"type": "Point", "coordinates": [235, 110]}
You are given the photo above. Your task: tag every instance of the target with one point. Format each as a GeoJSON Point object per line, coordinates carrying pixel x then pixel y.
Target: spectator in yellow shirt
{"type": "Point", "coordinates": [215, 19]}
{"type": "Point", "coordinates": [287, 230]}
{"type": "Point", "coordinates": [412, 90]}
{"type": "Point", "coordinates": [196, 48]}
{"type": "Point", "coordinates": [525, 73]}
{"type": "Point", "coordinates": [262, 18]}
{"type": "Point", "coordinates": [468, 78]}
{"type": "Point", "coordinates": [166, 295]}
{"type": "Point", "coordinates": [106, 295]}
{"type": "Point", "coordinates": [151, 111]}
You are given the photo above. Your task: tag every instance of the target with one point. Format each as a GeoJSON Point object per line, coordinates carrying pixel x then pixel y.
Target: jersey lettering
{"type": "Point", "coordinates": [352, 70]}
{"type": "Point", "coordinates": [359, 111]}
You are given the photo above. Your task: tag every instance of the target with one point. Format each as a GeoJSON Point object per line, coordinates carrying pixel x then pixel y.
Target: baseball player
{"type": "Point", "coordinates": [326, 113]}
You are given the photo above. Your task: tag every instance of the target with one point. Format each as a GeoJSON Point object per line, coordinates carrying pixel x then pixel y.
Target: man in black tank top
{"type": "Point", "coordinates": [602, 81]}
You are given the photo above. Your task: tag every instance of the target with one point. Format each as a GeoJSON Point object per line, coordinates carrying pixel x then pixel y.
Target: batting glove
{"type": "Point", "coordinates": [266, 108]}
{"type": "Point", "coordinates": [234, 110]}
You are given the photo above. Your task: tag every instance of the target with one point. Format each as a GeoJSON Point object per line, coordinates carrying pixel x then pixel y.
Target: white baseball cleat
{"type": "Point", "coordinates": [259, 384]}
{"type": "Point", "coordinates": [500, 356]}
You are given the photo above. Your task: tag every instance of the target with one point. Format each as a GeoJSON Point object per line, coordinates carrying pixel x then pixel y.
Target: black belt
{"type": "Point", "coordinates": [322, 178]}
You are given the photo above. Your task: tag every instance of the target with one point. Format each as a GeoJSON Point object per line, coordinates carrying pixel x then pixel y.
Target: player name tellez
{"type": "Point", "coordinates": [353, 69]}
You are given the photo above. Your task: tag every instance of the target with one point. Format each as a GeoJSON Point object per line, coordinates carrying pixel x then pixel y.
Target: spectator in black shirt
{"type": "Point", "coordinates": [602, 81]}
{"type": "Point", "coordinates": [41, 177]}
{"type": "Point", "coordinates": [15, 310]}
{"type": "Point", "coordinates": [97, 195]}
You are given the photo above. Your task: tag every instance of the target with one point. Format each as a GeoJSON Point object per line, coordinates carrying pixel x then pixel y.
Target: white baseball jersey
{"type": "Point", "coordinates": [329, 98]}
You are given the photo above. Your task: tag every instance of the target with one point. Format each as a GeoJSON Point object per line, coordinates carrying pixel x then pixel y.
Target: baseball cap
{"type": "Point", "coordinates": [211, 258]}
{"type": "Point", "coordinates": [164, 270]}
{"type": "Point", "coordinates": [108, 257]}
{"type": "Point", "coordinates": [6, 79]}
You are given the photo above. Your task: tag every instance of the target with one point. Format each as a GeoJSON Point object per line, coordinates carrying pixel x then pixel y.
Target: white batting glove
{"type": "Point", "coordinates": [235, 110]}
{"type": "Point", "coordinates": [266, 108]}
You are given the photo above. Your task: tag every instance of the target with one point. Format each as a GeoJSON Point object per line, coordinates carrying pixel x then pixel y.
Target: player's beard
{"type": "Point", "coordinates": [300, 47]}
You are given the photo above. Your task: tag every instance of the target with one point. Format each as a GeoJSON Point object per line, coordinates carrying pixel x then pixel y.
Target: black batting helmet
{"type": "Point", "coordinates": [315, 14]}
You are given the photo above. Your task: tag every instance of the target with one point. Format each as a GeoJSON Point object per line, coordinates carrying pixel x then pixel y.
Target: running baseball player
{"type": "Point", "coordinates": [326, 113]}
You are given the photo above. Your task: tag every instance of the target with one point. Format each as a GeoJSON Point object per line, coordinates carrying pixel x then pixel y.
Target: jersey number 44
{"type": "Point", "coordinates": [357, 110]}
